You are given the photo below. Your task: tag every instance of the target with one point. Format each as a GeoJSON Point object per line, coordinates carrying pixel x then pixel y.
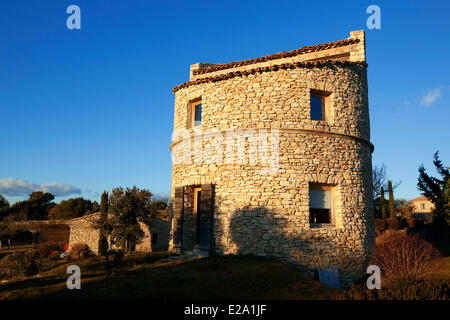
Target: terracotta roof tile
{"type": "Point", "coordinates": [280, 55]}
{"type": "Point", "coordinates": [421, 198]}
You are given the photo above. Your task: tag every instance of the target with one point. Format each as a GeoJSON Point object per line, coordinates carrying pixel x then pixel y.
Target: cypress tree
{"type": "Point", "coordinates": [383, 205]}
{"type": "Point", "coordinates": [391, 200]}
{"type": "Point", "coordinates": [103, 240]}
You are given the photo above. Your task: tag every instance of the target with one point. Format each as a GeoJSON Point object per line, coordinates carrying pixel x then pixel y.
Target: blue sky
{"type": "Point", "coordinates": [86, 110]}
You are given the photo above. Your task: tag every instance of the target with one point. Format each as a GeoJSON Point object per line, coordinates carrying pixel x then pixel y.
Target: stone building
{"type": "Point", "coordinates": [82, 231]}
{"type": "Point", "coordinates": [272, 157]}
{"type": "Point", "coordinates": [422, 208]}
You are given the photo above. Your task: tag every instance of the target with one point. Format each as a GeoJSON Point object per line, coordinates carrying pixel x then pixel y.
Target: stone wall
{"type": "Point", "coordinates": [162, 229]}
{"type": "Point", "coordinates": [82, 231]}
{"type": "Point", "coordinates": [268, 215]}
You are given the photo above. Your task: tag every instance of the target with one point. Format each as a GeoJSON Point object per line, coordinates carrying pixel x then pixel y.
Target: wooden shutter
{"type": "Point", "coordinates": [178, 205]}
{"type": "Point", "coordinates": [206, 216]}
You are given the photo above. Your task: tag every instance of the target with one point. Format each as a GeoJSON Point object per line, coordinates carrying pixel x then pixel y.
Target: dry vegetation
{"type": "Point", "coordinates": [151, 276]}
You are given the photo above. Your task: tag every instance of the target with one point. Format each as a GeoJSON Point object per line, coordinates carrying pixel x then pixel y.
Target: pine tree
{"type": "Point", "coordinates": [437, 190]}
{"type": "Point", "coordinates": [383, 204]}
{"type": "Point", "coordinates": [391, 200]}
{"type": "Point", "coordinates": [103, 240]}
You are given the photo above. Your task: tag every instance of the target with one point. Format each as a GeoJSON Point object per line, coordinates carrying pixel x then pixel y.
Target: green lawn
{"type": "Point", "coordinates": [150, 276]}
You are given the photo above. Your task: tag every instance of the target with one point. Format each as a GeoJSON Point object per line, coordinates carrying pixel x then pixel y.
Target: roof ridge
{"type": "Point", "coordinates": [292, 65]}
{"type": "Point", "coordinates": [280, 55]}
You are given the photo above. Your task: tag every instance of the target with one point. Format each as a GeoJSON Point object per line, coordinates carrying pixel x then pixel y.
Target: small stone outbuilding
{"type": "Point", "coordinates": [82, 231]}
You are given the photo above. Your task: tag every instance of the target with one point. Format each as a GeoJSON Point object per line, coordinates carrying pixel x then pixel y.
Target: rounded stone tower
{"type": "Point", "coordinates": [272, 157]}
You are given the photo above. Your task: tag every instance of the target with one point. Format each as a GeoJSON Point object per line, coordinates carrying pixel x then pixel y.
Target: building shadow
{"type": "Point", "coordinates": [260, 232]}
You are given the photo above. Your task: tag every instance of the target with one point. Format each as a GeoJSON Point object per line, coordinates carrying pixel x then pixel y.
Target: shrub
{"type": "Point", "coordinates": [79, 251]}
{"type": "Point", "coordinates": [114, 262]}
{"type": "Point", "coordinates": [380, 225]}
{"type": "Point", "coordinates": [392, 223]}
{"type": "Point", "coordinates": [402, 289]}
{"type": "Point", "coordinates": [21, 235]}
{"type": "Point", "coordinates": [404, 255]}
{"type": "Point", "coordinates": [19, 264]}
{"type": "Point", "coordinates": [411, 288]}
{"type": "Point", "coordinates": [416, 223]}
{"type": "Point", "coordinates": [358, 291]}
{"type": "Point", "coordinates": [16, 235]}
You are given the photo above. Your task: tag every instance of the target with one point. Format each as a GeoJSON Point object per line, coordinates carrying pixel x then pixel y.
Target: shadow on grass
{"type": "Point", "coordinates": [235, 278]}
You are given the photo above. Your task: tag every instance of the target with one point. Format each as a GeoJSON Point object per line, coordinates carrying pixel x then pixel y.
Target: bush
{"type": "Point", "coordinates": [402, 289]}
{"type": "Point", "coordinates": [410, 288]}
{"type": "Point", "coordinates": [392, 224]}
{"type": "Point", "coordinates": [114, 262]}
{"type": "Point", "coordinates": [21, 235]}
{"type": "Point", "coordinates": [404, 255]}
{"type": "Point", "coordinates": [19, 264]}
{"type": "Point", "coordinates": [380, 225]}
{"type": "Point", "coordinates": [79, 251]}
{"type": "Point", "coordinates": [416, 223]}
{"type": "Point", "coordinates": [16, 235]}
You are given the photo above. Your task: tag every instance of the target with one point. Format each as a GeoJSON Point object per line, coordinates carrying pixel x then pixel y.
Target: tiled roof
{"type": "Point", "coordinates": [421, 198]}
{"type": "Point", "coordinates": [293, 65]}
{"type": "Point", "coordinates": [284, 54]}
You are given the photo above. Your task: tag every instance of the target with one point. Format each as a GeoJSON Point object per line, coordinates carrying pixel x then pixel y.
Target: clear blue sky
{"type": "Point", "coordinates": [92, 109]}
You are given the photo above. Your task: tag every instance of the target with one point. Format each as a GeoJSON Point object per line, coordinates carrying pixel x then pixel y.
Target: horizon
{"type": "Point", "coordinates": [86, 109]}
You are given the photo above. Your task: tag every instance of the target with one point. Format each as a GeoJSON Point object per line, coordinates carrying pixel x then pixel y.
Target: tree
{"type": "Point", "coordinates": [437, 191]}
{"type": "Point", "coordinates": [103, 239]}
{"type": "Point", "coordinates": [391, 200]}
{"type": "Point", "coordinates": [404, 208]}
{"type": "Point", "coordinates": [383, 205]}
{"type": "Point", "coordinates": [36, 207]}
{"type": "Point", "coordinates": [3, 202]}
{"type": "Point", "coordinates": [95, 207]}
{"type": "Point", "coordinates": [127, 208]}
{"type": "Point", "coordinates": [4, 206]}
{"type": "Point", "coordinates": [378, 179]}
{"type": "Point", "coordinates": [159, 205]}
{"type": "Point", "coordinates": [41, 203]}
{"type": "Point", "coordinates": [71, 208]}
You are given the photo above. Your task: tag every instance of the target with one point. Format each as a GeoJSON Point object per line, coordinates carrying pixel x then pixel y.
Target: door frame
{"type": "Point", "coordinates": [197, 213]}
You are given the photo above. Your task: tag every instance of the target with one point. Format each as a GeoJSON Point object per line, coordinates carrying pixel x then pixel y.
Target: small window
{"type": "Point", "coordinates": [196, 114]}
{"type": "Point", "coordinates": [423, 206]}
{"type": "Point", "coordinates": [154, 238]}
{"type": "Point", "coordinates": [318, 103]}
{"type": "Point", "coordinates": [320, 205]}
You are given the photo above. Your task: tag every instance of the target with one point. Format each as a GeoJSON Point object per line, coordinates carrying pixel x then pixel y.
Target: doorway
{"type": "Point", "coordinates": [197, 213]}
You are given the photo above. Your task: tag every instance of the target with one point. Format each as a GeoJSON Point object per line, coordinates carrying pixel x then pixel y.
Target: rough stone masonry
{"type": "Point", "coordinates": [242, 211]}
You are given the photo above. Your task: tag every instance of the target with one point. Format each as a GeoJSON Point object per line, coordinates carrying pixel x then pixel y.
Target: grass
{"type": "Point", "coordinates": [151, 276]}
